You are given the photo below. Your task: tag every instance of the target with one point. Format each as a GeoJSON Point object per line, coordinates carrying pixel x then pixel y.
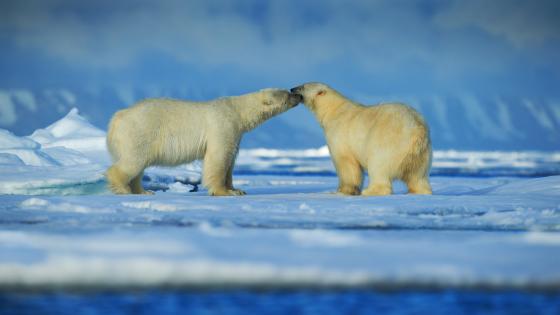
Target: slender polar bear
{"type": "Point", "coordinates": [390, 141]}
{"type": "Point", "coordinates": [171, 132]}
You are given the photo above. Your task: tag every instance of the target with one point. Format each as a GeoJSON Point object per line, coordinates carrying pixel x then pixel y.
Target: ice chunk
{"type": "Point", "coordinates": [178, 187]}
{"type": "Point", "coordinates": [26, 150]}
{"type": "Point", "coordinates": [32, 157]}
{"type": "Point", "coordinates": [74, 125]}
{"type": "Point", "coordinates": [72, 131]}
{"type": "Point", "coordinates": [53, 167]}
{"type": "Point", "coordinates": [10, 141]}
{"type": "Point", "coordinates": [30, 152]}
{"type": "Point", "coordinates": [63, 180]}
{"type": "Point", "coordinates": [10, 159]}
{"type": "Point", "coordinates": [65, 156]}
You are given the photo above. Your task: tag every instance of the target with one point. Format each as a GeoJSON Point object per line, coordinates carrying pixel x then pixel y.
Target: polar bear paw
{"type": "Point", "coordinates": [227, 192]}
{"type": "Point", "coordinates": [238, 192]}
{"type": "Point", "coordinates": [348, 190]}
{"type": "Point", "coordinates": [377, 190]}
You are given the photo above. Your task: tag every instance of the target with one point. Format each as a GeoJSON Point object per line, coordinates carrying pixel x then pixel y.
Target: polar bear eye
{"type": "Point", "coordinates": [267, 102]}
{"type": "Point", "coordinates": [321, 92]}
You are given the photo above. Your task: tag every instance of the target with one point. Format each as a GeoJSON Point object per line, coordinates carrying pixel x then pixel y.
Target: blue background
{"type": "Point", "coordinates": [486, 74]}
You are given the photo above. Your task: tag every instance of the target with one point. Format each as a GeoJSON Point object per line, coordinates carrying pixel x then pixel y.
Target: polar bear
{"type": "Point", "coordinates": [390, 141]}
{"type": "Point", "coordinates": [172, 132]}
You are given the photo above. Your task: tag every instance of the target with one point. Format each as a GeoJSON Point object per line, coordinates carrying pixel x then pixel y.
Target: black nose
{"type": "Point", "coordinates": [295, 90]}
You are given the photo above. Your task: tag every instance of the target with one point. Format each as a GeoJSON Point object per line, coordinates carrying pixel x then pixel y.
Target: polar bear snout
{"type": "Point", "coordinates": [295, 99]}
{"type": "Point", "coordinates": [297, 90]}
{"type": "Point", "coordinates": [309, 91]}
{"type": "Point", "coordinates": [285, 100]}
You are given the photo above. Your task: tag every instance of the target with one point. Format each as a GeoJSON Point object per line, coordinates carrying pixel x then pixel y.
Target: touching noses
{"type": "Point", "coordinates": [296, 89]}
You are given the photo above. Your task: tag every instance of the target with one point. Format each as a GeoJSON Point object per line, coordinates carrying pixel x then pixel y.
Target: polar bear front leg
{"type": "Point", "coordinates": [229, 179]}
{"type": "Point", "coordinates": [379, 184]}
{"type": "Point", "coordinates": [349, 173]}
{"type": "Point", "coordinates": [217, 162]}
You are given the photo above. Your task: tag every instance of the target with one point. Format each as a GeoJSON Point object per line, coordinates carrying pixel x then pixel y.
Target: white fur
{"type": "Point", "coordinates": [172, 132]}
{"type": "Point", "coordinates": [390, 141]}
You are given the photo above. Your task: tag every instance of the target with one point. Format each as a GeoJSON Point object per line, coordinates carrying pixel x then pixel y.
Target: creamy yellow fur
{"type": "Point", "coordinates": [172, 132]}
{"type": "Point", "coordinates": [389, 141]}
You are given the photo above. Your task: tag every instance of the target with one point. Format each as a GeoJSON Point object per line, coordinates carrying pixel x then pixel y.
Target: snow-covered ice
{"type": "Point", "coordinates": [493, 221]}
{"type": "Point", "coordinates": [68, 157]}
{"type": "Point", "coordinates": [194, 256]}
{"type": "Point", "coordinates": [448, 162]}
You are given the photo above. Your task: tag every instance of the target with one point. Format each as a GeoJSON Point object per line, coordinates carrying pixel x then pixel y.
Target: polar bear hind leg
{"type": "Point", "coordinates": [416, 176]}
{"type": "Point", "coordinates": [419, 185]}
{"type": "Point", "coordinates": [136, 185]}
{"type": "Point", "coordinates": [120, 177]}
{"type": "Point", "coordinates": [381, 172]}
{"type": "Point", "coordinates": [416, 165]}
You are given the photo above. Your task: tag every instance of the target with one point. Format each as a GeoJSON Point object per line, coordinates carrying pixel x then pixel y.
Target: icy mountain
{"type": "Point", "coordinates": [464, 122]}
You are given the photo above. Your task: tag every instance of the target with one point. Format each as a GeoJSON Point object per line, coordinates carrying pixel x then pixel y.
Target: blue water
{"type": "Point", "coordinates": [282, 302]}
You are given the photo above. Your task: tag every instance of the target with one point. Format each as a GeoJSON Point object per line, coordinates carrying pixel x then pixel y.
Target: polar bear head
{"type": "Point", "coordinates": [270, 102]}
{"type": "Point", "coordinates": [315, 94]}
{"type": "Point", "coordinates": [278, 100]}
{"type": "Point", "coordinates": [257, 107]}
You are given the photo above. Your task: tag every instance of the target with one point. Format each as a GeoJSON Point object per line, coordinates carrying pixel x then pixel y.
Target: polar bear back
{"type": "Point", "coordinates": [374, 130]}
{"type": "Point", "coordinates": [167, 132]}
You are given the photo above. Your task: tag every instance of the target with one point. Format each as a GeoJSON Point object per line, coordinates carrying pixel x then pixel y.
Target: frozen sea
{"type": "Point", "coordinates": [487, 241]}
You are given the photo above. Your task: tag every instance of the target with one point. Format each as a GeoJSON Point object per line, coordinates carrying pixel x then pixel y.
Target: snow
{"type": "Point", "coordinates": [10, 141]}
{"type": "Point", "coordinates": [72, 132]}
{"type": "Point", "coordinates": [73, 141]}
{"type": "Point", "coordinates": [448, 162]}
{"type": "Point", "coordinates": [68, 157]}
{"type": "Point", "coordinates": [194, 257]}
{"type": "Point", "coordinates": [10, 159]}
{"type": "Point", "coordinates": [493, 222]}
{"type": "Point", "coordinates": [26, 150]}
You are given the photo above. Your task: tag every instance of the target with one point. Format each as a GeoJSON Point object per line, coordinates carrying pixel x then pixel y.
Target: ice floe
{"type": "Point", "coordinates": [493, 222]}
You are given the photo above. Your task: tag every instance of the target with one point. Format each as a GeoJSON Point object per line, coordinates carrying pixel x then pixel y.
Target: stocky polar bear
{"type": "Point", "coordinates": [172, 132]}
{"type": "Point", "coordinates": [390, 141]}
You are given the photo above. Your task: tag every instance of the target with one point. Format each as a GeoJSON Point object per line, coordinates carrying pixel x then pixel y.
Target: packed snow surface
{"type": "Point", "coordinates": [493, 221]}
